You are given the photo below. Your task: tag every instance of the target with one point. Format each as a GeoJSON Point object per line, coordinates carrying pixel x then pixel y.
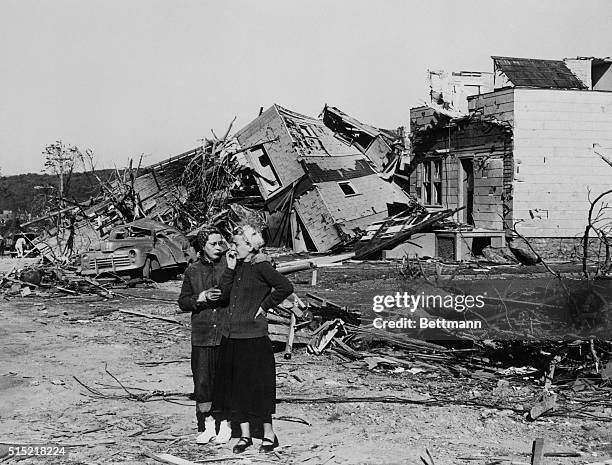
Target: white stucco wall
{"type": "Point", "coordinates": [555, 165]}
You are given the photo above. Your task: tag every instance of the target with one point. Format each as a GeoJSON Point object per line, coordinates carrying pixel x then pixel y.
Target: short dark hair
{"type": "Point", "coordinates": [205, 233]}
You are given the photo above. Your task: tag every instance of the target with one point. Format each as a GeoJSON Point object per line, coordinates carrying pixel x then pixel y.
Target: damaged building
{"type": "Point", "coordinates": [314, 190]}
{"type": "Point", "coordinates": [385, 148]}
{"type": "Point", "coordinates": [320, 189]}
{"type": "Point", "coordinates": [524, 155]}
{"type": "Point", "coordinates": [151, 192]}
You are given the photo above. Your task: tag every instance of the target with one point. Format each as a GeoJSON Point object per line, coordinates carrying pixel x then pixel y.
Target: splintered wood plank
{"type": "Point", "coordinates": [537, 452]}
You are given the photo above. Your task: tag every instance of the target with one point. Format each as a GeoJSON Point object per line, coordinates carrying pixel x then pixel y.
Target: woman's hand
{"type": "Point", "coordinates": [260, 312]}
{"type": "Point", "coordinates": [209, 295]}
{"type": "Point", "coordinates": [231, 257]}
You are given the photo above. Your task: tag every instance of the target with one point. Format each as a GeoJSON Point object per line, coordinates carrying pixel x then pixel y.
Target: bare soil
{"type": "Point", "coordinates": [47, 343]}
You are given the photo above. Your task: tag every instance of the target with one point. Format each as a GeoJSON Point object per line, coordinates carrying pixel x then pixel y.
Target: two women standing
{"type": "Point", "coordinates": [245, 372]}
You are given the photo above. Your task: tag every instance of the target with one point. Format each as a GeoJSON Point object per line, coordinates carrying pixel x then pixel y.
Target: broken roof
{"type": "Point", "coordinates": [366, 128]}
{"type": "Point", "coordinates": [531, 72]}
{"type": "Point", "coordinates": [323, 169]}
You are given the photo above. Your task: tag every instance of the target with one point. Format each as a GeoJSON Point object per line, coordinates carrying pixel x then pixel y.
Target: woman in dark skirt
{"type": "Point", "coordinates": [245, 387]}
{"type": "Point", "coordinates": [201, 296]}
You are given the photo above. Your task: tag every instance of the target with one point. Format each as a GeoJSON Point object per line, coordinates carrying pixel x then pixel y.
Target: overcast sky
{"type": "Point", "coordinates": [134, 77]}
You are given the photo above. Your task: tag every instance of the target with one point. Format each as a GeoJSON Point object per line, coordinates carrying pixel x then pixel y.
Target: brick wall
{"type": "Point", "coordinates": [556, 169]}
{"type": "Point", "coordinates": [488, 146]}
{"type": "Point", "coordinates": [421, 117]}
{"type": "Point", "coordinates": [499, 104]}
{"type": "Point", "coordinates": [488, 190]}
{"type": "Point", "coordinates": [565, 248]}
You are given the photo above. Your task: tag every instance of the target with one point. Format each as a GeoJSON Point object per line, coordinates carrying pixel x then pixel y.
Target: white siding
{"type": "Point", "coordinates": [555, 165]}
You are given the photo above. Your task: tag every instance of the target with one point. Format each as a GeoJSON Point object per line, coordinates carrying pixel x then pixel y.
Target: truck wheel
{"type": "Point", "coordinates": [150, 268]}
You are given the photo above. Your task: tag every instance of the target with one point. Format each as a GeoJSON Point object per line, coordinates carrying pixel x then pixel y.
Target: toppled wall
{"type": "Point", "coordinates": [317, 221]}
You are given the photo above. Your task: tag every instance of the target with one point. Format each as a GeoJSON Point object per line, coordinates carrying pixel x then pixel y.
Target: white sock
{"type": "Point", "coordinates": [225, 433]}
{"type": "Point", "coordinates": [209, 431]}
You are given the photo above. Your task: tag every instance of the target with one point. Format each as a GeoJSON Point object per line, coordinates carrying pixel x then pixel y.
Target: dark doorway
{"type": "Point", "coordinates": [467, 187]}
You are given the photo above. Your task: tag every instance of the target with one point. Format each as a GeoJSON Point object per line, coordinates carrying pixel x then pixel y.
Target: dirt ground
{"type": "Point", "coordinates": [46, 343]}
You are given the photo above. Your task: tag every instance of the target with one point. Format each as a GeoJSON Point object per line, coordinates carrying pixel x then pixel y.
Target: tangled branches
{"type": "Point", "coordinates": [217, 180]}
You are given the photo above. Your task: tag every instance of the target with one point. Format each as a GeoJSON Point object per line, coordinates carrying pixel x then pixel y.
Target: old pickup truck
{"type": "Point", "coordinates": [143, 248]}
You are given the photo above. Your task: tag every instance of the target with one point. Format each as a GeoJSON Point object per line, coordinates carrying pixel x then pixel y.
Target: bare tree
{"type": "Point", "coordinates": [600, 223]}
{"type": "Point", "coordinates": [59, 160]}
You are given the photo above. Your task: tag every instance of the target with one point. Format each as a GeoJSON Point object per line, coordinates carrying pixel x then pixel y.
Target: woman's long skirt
{"type": "Point", "coordinates": [245, 383]}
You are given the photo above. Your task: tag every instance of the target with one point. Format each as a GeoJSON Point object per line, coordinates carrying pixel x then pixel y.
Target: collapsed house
{"type": "Point", "coordinates": [320, 190]}
{"type": "Point", "coordinates": [313, 190]}
{"type": "Point", "coordinates": [523, 156]}
{"type": "Point", "coordinates": [385, 148]}
{"type": "Point", "coordinates": [149, 192]}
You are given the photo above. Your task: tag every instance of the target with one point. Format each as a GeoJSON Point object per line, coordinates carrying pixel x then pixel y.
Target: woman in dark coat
{"type": "Point", "coordinates": [201, 296]}
{"type": "Point", "coordinates": [245, 388]}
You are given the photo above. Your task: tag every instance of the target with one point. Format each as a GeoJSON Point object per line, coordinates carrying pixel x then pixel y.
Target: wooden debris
{"type": "Point", "coordinates": [327, 310]}
{"type": "Point", "coordinates": [537, 452]}
{"type": "Point", "coordinates": [67, 291]}
{"type": "Point", "coordinates": [313, 280]}
{"type": "Point", "coordinates": [546, 402]}
{"type": "Point", "coordinates": [292, 419]}
{"type": "Point", "coordinates": [290, 338]}
{"type": "Point", "coordinates": [279, 333]}
{"type": "Point", "coordinates": [163, 362]}
{"type": "Point", "coordinates": [148, 315]}
{"type": "Point", "coordinates": [413, 224]}
{"type": "Point", "coordinates": [174, 460]}
{"type": "Point", "coordinates": [429, 460]}
{"type": "Point", "coordinates": [325, 335]}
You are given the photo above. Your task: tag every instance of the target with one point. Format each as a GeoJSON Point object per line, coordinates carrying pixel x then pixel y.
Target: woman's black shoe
{"type": "Point", "coordinates": [267, 445]}
{"type": "Point", "coordinates": [242, 445]}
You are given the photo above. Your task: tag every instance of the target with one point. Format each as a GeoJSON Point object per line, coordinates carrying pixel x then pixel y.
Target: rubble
{"type": "Point", "coordinates": [334, 185]}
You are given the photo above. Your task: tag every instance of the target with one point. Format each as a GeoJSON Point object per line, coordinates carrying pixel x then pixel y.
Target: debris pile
{"type": "Point", "coordinates": [48, 280]}
{"type": "Point", "coordinates": [570, 378]}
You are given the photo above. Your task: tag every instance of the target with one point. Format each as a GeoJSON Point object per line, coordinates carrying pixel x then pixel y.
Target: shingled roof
{"type": "Point", "coordinates": [324, 169]}
{"type": "Point", "coordinates": [530, 72]}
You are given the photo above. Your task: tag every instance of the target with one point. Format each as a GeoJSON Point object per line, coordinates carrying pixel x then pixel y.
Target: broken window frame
{"type": "Point", "coordinates": [256, 154]}
{"type": "Point", "coordinates": [308, 132]}
{"type": "Point", "coordinates": [350, 185]}
{"type": "Point", "coordinates": [431, 179]}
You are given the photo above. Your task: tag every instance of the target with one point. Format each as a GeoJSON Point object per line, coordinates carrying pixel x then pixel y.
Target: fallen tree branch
{"type": "Point", "coordinates": [173, 460]}
{"type": "Point", "coordinates": [150, 316]}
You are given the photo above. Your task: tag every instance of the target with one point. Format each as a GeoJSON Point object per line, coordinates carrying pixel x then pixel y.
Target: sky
{"type": "Point", "coordinates": [128, 78]}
